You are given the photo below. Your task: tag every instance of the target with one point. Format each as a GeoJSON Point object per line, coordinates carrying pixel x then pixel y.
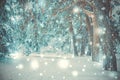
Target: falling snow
{"type": "Point", "coordinates": [57, 39]}
{"type": "Point", "coordinates": [36, 69]}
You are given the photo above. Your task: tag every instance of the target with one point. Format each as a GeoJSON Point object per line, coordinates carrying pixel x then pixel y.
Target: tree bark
{"type": "Point", "coordinates": [110, 58]}
{"type": "Point", "coordinates": [95, 41]}
{"type": "Point", "coordinates": [90, 35]}
{"type": "Point", "coordinates": [73, 42]}
{"type": "Point", "coordinates": [83, 47]}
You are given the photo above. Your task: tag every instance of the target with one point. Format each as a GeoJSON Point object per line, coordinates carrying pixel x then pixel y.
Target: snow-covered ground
{"type": "Point", "coordinates": [54, 68]}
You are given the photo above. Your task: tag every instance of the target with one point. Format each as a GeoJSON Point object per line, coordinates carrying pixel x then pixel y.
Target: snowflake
{"type": "Point", "coordinates": [84, 66]}
{"type": "Point", "coordinates": [103, 72]}
{"type": "Point", "coordinates": [52, 76]}
{"type": "Point", "coordinates": [63, 77]}
{"type": "Point", "coordinates": [83, 70]}
{"type": "Point", "coordinates": [103, 8]}
{"type": "Point", "coordinates": [52, 59]}
{"type": "Point", "coordinates": [101, 17]}
{"type": "Point", "coordinates": [70, 66]}
{"type": "Point", "coordinates": [46, 63]}
{"type": "Point", "coordinates": [34, 64]}
{"type": "Point", "coordinates": [95, 73]}
{"type": "Point", "coordinates": [20, 66]}
{"type": "Point", "coordinates": [63, 64]}
{"type": "Point", "coordinates": [76, 10]}
{"type": "Point", "coordinates": [19, 74]}
{"type": "Point", "coordinates": [75, 73]}
{"type": "Point", "coordinates": [28, 59]}
{"type": "Point", "coordinates": [41, 74]}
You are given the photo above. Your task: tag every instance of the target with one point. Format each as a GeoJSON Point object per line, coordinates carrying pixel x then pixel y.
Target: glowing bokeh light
{"type": "Point", "coordinates": [16, 55]}
{"type": "Point", "coordinates": [76, 10]}
{"type": "Point", "coordinates": [75, 73]}
{"type": "Point", "coordinates": [101, 31]}
{"type": "Point", "coordinates": [63, 63]}
{"type": "Point", "coordinates": [20, 66]}
{"type": "Point", "coordinates": [34, 64]}
{"type": "Point", "coordinates": [83, 70]}
{"type": "Point", "coordinates": [41, 74]}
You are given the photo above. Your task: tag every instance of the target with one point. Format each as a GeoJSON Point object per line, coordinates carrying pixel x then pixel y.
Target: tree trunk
{"type": "Point", "coordinates": [83, 47]}
{"type": "Point", "coordinates": [95, 54]}
{"type": "Point", "coordinates": [110, 58]}
{"type": "Point", "coordinates": [90, 35]}
{"type": "Point", "coordinates": [74, 45]}
{"type": "Point", "coordinates": [3, 40]}
{"type": "Point", "coordinates": [95, 41]}
{"type": "Point", "coordinates": [73, 40]}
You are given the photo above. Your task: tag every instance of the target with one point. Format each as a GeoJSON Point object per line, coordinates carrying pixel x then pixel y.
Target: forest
{"type": "Point", "coordinates": [69, 27]}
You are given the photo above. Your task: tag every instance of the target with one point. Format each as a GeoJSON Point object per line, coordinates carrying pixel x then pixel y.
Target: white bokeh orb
{"type": "Point", "coordinates": [34, 64]}
{"type": "Point", "coordinates": [63, 64]}
{"type": "Point", "coordinates": [20, 66]}
{"type": "Point", "coordinates": [75, 73]}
